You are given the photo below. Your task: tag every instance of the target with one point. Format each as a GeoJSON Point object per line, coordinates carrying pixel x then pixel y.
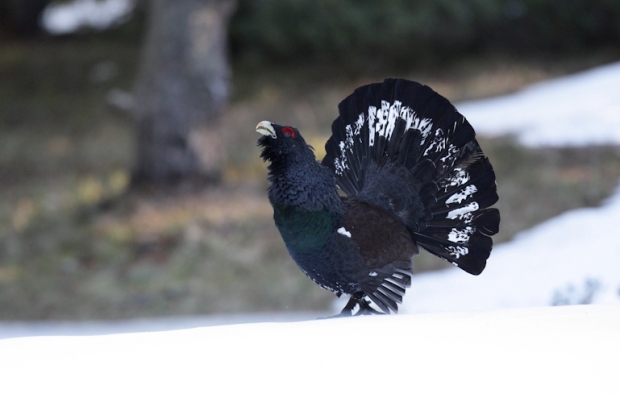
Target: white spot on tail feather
{"type": "Point", "coordinates": [372, 115]}
{"type": "Point", "coordinates": [457, 251]}
{"type": "Point", "coordinates": [359, 124]}
{"type": "Point", "coordinates": [407, 114]}
{"type": "Point", "coordinates": [344, 232]}
{"type": "Point", "coordinates": [460, 236]}
{"type": "Point", "coordinates": [424, 125]}
{"type": "Point", "coordinates": [372, 273]}
{"type": "Point", "coordinates": [382, 118]}
{"type": "Point", "coordinates": [349, 140]}
{"type": "Point", "coordinates": [467, 217]}
{"type": "Point", "coordinates": [438, 143]}
{"type": "Point", "coordinates": [458, 177]}
{"type": "Point", "coordinates": [392, 116]}
{"type": "Point", "coordinates": [450, 156]}
{"type": "Point", "coordinates": [382, 121]}
{"type": "Point", "coordinates": [462, 195]}
{"type": "Point", "coordinates": [340, 165]}
{"type": "Point", "coordinates": [460, 213]}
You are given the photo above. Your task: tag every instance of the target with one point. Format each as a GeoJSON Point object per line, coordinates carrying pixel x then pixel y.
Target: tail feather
{"type": "Point", "coordinates": [400, 145]}
{"type": "Point", "coordinates": [485, 221]}
{"type": "Point", "coordinates": [387, 287]}
{"type": "Point", "coordinates": [470, 256]}
{"type": "Point", "coordinates": [477, 177]}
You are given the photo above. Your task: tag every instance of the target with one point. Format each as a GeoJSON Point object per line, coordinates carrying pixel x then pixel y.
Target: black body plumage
{"type": "Point", "coordinates": [413, 174]}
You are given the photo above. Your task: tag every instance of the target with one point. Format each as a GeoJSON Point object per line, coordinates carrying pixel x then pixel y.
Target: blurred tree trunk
{"type": "Point", "coordinates": [181, 93]}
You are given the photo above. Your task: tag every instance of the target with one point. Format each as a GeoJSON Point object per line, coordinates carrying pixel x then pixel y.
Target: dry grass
{"type": "Point", "coordinates": [64, 152]}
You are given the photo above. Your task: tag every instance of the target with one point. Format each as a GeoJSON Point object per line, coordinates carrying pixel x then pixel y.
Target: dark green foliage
{"type": "Point", "coordinates": [555, 25]}
{"type": "Point", "coordinates": [21, 17]}
{"type": "Point", "coordinates": [367, 34]}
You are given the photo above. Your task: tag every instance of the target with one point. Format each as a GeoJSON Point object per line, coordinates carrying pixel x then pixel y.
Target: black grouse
{"type": "Point", "coordinates": [413, 175]}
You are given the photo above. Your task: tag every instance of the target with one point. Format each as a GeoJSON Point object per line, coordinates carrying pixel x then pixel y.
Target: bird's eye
{"type": "Point", "coordinates": [288, 132]}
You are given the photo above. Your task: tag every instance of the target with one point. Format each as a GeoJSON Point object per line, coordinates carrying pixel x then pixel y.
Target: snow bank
{"type": "Point", "coordinates": [576, 110]}
{"type": "Point", "coordinates": [12, 329]}
{"type": "Point", "coordinates": [563, 349]}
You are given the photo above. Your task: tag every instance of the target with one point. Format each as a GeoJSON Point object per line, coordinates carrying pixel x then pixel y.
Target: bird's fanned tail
{"type": "Point", "coordinates": [404, 147]}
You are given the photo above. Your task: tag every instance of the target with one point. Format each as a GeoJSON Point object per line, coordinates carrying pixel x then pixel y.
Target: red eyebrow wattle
{"type": "Point", "coordinates": [288, 131]}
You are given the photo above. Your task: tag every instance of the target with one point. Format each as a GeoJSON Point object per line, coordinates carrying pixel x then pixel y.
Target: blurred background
{"type": "Point", "coordinates": [130, 181]}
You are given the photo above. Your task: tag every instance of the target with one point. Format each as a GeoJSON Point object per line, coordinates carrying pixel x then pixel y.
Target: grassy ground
{"type": "Point", "coordinates": [64, 150]}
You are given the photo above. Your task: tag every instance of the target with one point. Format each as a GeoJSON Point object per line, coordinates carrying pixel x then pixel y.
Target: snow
{"type": "Point", "coordinates": [65, 18]}
{"type": "Point", "coordinates": [14, 329]}
{"type": "Point", "coordinates": [562, 349]}
{"type": "Point", "coordinates": [575, 110]}
{"type": "Point", "coordinates": [494, 333]}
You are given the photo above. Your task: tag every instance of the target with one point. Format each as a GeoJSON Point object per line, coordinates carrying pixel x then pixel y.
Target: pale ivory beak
{"type": "Point", "coordinates": [265, 128]}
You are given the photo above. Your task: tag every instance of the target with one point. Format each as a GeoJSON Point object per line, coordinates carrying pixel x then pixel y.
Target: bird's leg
{"type": "Point", "coordinates": [366, 309]}
{"type": "Point", "coordinates": [347, 311]}
{"type": "Point", "coordinates": [356, 299]}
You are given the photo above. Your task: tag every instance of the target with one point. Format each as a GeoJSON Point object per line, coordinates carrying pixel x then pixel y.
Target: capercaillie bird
{"type": "Point", "coordinates": [410, 173]}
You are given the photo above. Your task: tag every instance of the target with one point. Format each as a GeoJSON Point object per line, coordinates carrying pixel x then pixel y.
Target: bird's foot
{"type": "Point", "coordinates": [347, 311]}
{"type": "Point", "coordinates": [341, 314]}
{"type": "Point", "coordinates": [366, 309]}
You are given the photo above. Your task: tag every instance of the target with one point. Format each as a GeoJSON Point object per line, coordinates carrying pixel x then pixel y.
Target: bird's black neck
{"type": "Point", "coordinates": [307, 186]}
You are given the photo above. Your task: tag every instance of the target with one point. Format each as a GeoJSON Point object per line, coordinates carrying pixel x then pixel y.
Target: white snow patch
{"type": "Point", "coordinates": [579, 109]}
{"type": "Point", "coordinates": [570, 349]}
{"type": "Point", "coordinates": [65, 18]}
{"type": "Point", "coordinates": [344, 232]}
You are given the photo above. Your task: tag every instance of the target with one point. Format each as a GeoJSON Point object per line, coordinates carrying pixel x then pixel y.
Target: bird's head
{"type": "Point", "coordinates": [282, 143]}
{"type": "Point", "coordinates": [296, 178]}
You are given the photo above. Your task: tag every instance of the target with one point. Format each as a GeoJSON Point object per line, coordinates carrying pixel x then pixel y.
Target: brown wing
{"type": "Point", "coordinates": [386, 247]}
{"type": "Point", "coordinates": [380, 235]}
